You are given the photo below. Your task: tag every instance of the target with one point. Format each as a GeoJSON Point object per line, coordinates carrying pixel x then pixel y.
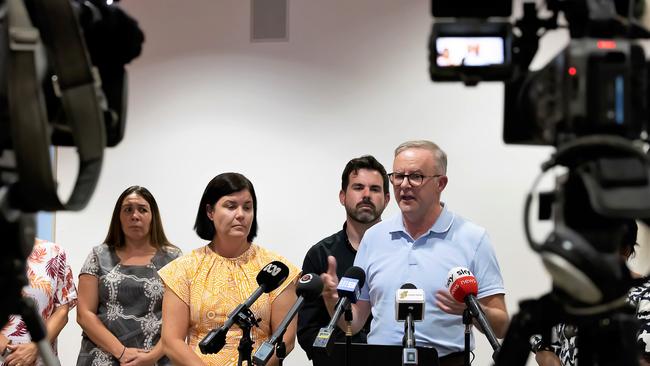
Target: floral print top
{"type": "Point", "coordinates": [51, 285]}
{"type": "Point", "coordinates": [212, 286]}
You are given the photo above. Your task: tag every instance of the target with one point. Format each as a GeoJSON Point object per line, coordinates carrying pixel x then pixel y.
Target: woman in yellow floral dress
{"type": "Point", "coordinates": [204, 286]}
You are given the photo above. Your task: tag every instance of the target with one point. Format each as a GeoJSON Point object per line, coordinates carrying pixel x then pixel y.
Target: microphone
{"type": "Point", "coordinates": [309, 288]}
{"type": "Point", "coordinates": [409, 308]}
{"type": "Point", "coordinates": [268, 279]}
{"type": "Point", "coordinates": [463, 287]}
{"type": "Point", "coordinates": [409, 300]}
{"type": "Point", "coordinates": [348, 289]}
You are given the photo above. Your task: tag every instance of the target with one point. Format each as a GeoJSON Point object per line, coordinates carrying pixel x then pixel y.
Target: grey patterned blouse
{"type": "Point", "coordinates": [130, 302]}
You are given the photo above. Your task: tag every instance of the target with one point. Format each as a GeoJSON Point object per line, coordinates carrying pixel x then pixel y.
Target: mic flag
{"type": "Point", "coordinates": [409, 300]}
{"type": "Point", "coordinates": [351, 283]}
{"type": "Point", "coordinates": [272, 276]}
{"type": "Point", "coordinates": [461, 283]}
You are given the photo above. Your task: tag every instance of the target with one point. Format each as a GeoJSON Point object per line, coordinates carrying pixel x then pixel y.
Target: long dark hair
{"type": "Point", "coordinates": [115, 237]}
{"type": "Point", "coordinates": [223, 185]}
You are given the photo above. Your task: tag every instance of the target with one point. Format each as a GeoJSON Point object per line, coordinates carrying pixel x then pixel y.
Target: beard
{"type": "Point", "coordinates": [364, 214]}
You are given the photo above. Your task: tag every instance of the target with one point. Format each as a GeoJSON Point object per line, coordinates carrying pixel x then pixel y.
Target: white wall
{"type": "Point", "coordinates": [352, 80]}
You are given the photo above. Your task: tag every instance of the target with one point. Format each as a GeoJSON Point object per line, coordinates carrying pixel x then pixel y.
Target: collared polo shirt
{"type": "Point", "coordinates": [391, 257]}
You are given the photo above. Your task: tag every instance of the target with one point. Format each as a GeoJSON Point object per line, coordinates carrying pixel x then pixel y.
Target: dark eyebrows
{"type": "Point", "coordinates": [230, 202]}
{"type": "Point", "coordinates": [138, 205]}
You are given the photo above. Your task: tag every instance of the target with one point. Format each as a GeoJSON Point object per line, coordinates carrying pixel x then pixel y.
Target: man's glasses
{"type": "Point", "coordinates": [414, 179]}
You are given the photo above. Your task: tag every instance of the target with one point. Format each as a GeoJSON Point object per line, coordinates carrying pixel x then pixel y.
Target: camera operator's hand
{"type": "Point", "coordinates": [23, 354]}
{"type": "Point", "coordinates": [547, 358]}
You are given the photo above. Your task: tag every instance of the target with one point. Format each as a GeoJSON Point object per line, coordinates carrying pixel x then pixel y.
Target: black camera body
{"type": "Point", "coordinates": [596, 85]}
{"type": "Point", "coordinates": [591, 103]}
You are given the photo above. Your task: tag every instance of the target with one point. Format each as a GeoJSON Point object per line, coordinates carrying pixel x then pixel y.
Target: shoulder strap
{"type": "Point", "coordinates": [80, 92]}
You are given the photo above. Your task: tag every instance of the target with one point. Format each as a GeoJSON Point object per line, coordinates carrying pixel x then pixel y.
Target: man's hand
{"type": "Point", "coordinates": [448, 304]}
{"type": "Point", "coordinates": [23, 354]}
{"type": "Point", "coordinates": [330, 282]}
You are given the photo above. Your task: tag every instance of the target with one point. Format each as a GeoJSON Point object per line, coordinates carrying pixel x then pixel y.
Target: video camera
{"type": "Point", "coordinates": [62, 83]}
{"type": "Point", "coordinates": [596, 85]}
{"type": "Point", "coordinates": [591, 103]}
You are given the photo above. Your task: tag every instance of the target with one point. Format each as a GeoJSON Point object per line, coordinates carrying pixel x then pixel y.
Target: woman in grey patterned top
{"type": "Point", "coordinates": [120, 293]}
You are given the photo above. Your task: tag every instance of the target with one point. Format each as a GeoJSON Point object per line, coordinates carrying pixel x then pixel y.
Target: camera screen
{"type": "Point", "coordinates": [469, 51]}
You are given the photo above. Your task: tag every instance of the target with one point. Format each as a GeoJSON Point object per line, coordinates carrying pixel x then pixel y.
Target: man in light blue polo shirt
{"type": "Point", "coordinates": [420, 246]}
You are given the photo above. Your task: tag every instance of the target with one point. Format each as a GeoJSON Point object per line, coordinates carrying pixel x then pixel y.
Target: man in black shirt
{"type": "Point", "coordinates": [364, 194]}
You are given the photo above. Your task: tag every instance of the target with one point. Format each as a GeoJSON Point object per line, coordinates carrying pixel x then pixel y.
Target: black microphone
{"type": "Point", "coordinates": [463, 287]}
{"type": "Point", "coordinates": [309, 288]}
{"type": "Point", "coordinates": [409, 308]}
{"type": "Point", "coordinates": [269, 278]}
{"type": "Point", "coordinates": [348, 289]}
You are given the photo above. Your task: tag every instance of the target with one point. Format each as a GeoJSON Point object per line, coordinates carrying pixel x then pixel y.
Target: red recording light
{"type": "Point", "coordinates": [608, 45]}
{"type": "Point", "coordinates": [572, 71]}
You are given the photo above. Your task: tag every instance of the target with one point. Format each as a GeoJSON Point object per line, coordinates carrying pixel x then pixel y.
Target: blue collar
{"type": "Point", "coordinates": [442, 224]}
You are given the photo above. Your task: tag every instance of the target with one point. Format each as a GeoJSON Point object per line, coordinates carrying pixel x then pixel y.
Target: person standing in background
{"type": "Point", "coordinates": [52, 287]}
{"type": "Point", "coordinates": [120, 292]}
{"type": "Point", "coordinates": [364, 194]}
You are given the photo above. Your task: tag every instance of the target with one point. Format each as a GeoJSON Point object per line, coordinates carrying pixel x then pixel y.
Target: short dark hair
{"type": "Point", "coordinates": [364, 162]}
{"type": "Point", "coordinates": [223, 185]}
{"type": "Point", "coordinates": [115, 237]}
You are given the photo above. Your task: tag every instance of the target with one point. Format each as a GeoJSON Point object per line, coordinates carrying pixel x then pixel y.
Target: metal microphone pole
{"type": "Point", "coordinates": [467, 320]}
{"type": "Point", "coordinates": [348, 336]}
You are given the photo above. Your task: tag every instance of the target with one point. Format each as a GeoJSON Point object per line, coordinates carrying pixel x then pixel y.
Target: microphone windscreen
{"type": "Point", "coordinates": [408, 286]}
{"type": "Point", "coordinates": [461, 283]}
{"type": "Point", "coordinates": [272, 276]}
{"type": "Point", "coordinates": [309, 286]}
{"type": "Point", "coordinates": [356, 273]}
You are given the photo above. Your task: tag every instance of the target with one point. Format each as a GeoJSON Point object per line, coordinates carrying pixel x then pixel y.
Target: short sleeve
{"type": "Point", "coordinates": [486, 269]}
{"type": "Point", "coordinates": [66, 291]}
{"type": "Point", "coordinates": [176, 278]}
{"type": "Point", "coordinates": [361, 261]}
{"type": "Point", "coordinates": [91, 265]}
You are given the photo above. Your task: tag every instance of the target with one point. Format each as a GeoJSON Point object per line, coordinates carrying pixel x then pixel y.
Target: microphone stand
{"type": "Point", "coordinates": [246, 320]}
{"type": "Point", "coordinates": [477, 312]}
{"type": "Point", "coordinates": [348, 336]}
{"type": "Point", "coordinates": [467, 320]}
{"type": "Point", "coordinates": [281, 349]}
{"type": "Point", "coordinates": [409, 353]}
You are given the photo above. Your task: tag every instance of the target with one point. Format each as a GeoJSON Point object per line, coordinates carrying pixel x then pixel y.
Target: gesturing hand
{"type": "Point", "coordinates": [330, 282]}
{"type": "Point", "coordinates": [448, 304]}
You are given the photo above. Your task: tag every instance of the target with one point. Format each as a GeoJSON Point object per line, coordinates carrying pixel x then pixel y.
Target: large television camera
{"type": "Point", "coordinates": [596, 85]}
{"type": "Point", "coordinates": [591, 103]}
{"type": "Point", "coordinates": [62, 83]}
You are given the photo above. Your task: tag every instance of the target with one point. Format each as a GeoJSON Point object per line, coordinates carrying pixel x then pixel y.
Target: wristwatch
{"type": "Point", "coordinates": [537, 344]}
